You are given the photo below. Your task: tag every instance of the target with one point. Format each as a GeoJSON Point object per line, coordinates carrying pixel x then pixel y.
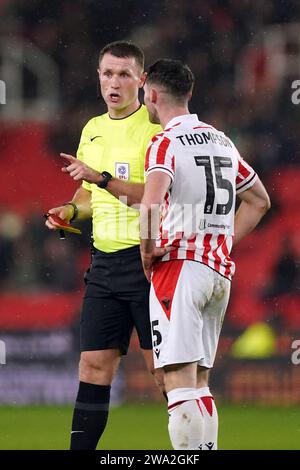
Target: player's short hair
{"type": "Point", "coordinates": [124, 49]}
{"type": "Point", "coordinates": [175, 76]}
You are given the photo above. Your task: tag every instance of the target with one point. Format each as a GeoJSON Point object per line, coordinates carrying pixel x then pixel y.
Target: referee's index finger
{"type": "Point", "coordinates": [68, 157]}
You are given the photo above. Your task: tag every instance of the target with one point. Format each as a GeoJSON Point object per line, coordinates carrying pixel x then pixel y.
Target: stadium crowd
{"type": "Point", "coordinates": [222, 41]}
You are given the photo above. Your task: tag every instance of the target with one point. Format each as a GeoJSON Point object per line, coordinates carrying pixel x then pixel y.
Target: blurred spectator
{"type": "Point", "coordinates": [236, 89]}
{"type": "Point", "coordinates": [215, 38]}
{"type": "Point", "coordinates": [58, 271]}
{"type": "Point", "coordinates": [34, 260]}
{"type": "Point", "coordinates": [11, 228]}
{"type": "Point", "coordinates": [286, 274]}
{"type": "Point", "coordinates": [6, 257]}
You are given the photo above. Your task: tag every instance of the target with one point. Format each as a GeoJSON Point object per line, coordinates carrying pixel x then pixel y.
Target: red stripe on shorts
{"type": "Point", "coordinates": [164, 281]}
{"type": "Point", "coordinates": [208, 403]}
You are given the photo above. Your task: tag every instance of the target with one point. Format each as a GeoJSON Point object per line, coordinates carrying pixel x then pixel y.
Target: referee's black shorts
{"type": "Point", "coordinates": [115, 301]}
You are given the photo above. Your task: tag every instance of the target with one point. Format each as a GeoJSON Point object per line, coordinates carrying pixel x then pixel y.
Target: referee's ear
{"type": "Point", "coordinates": [98, 90]}
{"type": "Point", "coordinates": [142, 79]}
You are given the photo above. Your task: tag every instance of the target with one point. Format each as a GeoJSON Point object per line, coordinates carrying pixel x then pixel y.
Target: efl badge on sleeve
{"type": "Point", "coordinates": [122, 171]}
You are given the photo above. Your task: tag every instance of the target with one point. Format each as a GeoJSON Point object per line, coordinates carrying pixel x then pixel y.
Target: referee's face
{"type": "Point", "coordinates": [120, 79]}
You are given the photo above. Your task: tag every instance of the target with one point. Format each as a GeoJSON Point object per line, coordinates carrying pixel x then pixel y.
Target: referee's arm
{"type": "Point", "coordinates": [82, 199]}
{"type": "Point", "coordinates": [131, 193]}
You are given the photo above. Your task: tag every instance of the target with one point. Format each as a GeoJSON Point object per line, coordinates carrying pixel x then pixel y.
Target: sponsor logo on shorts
{"type": "Point", "coordinates": [166, 302]}
{"type": "Point", "coordinates": [157, 353]}
{"type": "Point", "coordinates": [209, 445]}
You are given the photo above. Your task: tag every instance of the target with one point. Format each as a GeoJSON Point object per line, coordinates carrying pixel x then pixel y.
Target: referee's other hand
{"type": "Point", "coordinates": [64, 212]}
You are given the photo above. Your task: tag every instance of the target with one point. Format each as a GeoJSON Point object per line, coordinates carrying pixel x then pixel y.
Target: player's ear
{"type": "Point", "coordinates": [142, 79]}
{"type": "Point", "coordinates": [153, 95]}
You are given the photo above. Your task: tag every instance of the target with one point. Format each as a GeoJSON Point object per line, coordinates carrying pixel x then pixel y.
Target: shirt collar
{"type": "Point", "coordinates": [180, 119]}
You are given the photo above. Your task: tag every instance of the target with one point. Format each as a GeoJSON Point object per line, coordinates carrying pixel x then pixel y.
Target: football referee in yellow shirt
{"type": "Point", "coordinates": [110, 162]}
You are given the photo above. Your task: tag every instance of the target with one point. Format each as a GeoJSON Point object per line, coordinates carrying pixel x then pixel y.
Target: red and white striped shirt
{"type": "Point", "coordinates": [207, 172]}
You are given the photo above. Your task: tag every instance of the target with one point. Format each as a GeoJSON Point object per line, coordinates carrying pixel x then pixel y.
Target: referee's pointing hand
{"type": "Point", "coordinates": [79, 170]}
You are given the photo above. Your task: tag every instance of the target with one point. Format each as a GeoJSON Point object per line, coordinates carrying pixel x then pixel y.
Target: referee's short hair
{"type": "Point", "coordinates": [175, 76]}
{"type": "Point", "coordinates": [124, 49]}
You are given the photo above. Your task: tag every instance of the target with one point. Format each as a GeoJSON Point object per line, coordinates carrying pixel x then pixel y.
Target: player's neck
{"type": "Point", "coordinates": [125, 112]}
{"type": "Point", "coordinates": [168, 114]}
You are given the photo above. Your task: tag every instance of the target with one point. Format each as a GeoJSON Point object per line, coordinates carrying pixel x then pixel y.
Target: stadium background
{"type": "Point", "coordinates": [245, 55]}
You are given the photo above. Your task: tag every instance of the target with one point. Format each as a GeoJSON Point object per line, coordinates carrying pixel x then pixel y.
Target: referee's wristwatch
{"type": "Point", "coordinates": [106, 178]}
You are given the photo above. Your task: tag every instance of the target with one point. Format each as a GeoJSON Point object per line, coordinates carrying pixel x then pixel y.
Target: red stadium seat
{"type": "Point", "coordinates": [25, 159]}
{"type": "Point", "coordinates": [283, 185]}
{"type": "Point", "coordinates": [288, 307]}
{"type": "Point", "coordinates": [256, 258]}
{"type": "Point", "coordinates": [23, 312]}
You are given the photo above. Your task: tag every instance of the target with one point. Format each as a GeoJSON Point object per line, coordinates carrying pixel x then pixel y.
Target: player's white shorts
{"type": "Point", "coordinates": [188, 301]}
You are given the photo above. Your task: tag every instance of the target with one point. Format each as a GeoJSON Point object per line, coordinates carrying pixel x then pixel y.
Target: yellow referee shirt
{"type": "Point", "coordinates": [118, 146]}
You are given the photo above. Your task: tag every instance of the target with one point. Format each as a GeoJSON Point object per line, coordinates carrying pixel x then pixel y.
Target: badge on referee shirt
{"type": "Point", "coordinates": [122, 171]}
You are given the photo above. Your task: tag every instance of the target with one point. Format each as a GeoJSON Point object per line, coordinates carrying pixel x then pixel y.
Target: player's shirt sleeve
{"type": "Point", "coordinates": [159, 157]}
{"type": "Point", "coordinates": [152, 131]}
{"type": "Point", "coordinates": [246, 176]}
{"type": "Point", "coordinates": [84, 140]}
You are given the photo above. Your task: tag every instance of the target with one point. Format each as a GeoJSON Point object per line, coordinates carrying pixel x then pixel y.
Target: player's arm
{"type": "Point", "coordinates": [81, 204]}
{"type": "Point", "coordinates": [255, 202]}
{"type": "Point", "coordinates": [78, 170]}
{"type": "Point", "coordinates": [156, 187]}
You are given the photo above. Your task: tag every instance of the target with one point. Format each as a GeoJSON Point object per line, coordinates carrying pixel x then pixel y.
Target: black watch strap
{"type": "Point", "coordinates": [106, 178]}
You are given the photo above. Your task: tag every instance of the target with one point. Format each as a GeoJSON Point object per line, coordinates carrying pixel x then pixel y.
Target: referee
{"type": "Point", "coordinates": [110, 162]}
